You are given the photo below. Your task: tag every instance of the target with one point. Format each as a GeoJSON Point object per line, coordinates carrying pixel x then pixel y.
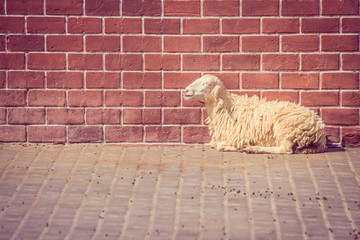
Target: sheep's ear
{"type": "Point", "coordinates": [215, 92]}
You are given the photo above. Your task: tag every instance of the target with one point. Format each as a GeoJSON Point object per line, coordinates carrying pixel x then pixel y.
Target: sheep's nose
{"type": "Point", "coordinates": [186, 91]}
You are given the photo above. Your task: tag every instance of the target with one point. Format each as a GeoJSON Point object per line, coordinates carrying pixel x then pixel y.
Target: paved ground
{"type": "Point", "coordinates": [115, 192]}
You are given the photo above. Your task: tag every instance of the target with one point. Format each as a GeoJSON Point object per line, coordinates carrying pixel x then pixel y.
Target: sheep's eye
{"type": "Point", "coordinates": [205, 84]}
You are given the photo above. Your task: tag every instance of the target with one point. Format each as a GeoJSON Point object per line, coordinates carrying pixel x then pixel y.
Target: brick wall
{"type": "Point", "coordinates": [112, 71]}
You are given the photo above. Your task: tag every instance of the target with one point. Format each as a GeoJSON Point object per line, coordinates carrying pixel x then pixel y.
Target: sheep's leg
{"type": "Point", "coordinates": [285, 148]}
{"type": "Point", "coordinates": [224, 147]}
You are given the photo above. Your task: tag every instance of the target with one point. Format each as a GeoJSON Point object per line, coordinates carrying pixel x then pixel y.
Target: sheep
{"type": "Point", "coordinates": [253, 125]}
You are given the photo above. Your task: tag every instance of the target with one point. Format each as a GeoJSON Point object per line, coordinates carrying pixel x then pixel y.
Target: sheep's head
{"type": "Point", "coordinates": [203, 89]}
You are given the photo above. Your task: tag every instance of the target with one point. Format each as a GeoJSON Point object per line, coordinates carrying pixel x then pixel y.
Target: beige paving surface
{"type": "Point", "coordinates": [116, 192]}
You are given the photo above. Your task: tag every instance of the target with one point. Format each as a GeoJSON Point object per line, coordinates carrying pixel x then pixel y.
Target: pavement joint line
{"type": "Point", "coordinates": [248, 197]}
{"type": "Point", "coordinates": [225, 198]}
{"type": "Point", "coordinates": [62, 193]}
{"type": "Point", "coordinates": [7, 167]}
{"type": "Point", "coordinates": [201, 198]}
{"type": "Point", "coordinates": [37, 197]}
{"type": "Point", "coordinates": [319, 200]}
{"type": "Point", "coordinates": [297, 203]}
{"type": "Point", "coordinates": [342, 195]}
{"type": "Point", "coordinates": [352, 168]}
{"type": "Point", "coordinates": [132, 196]}
{"type": "Point", "coordinates": [272, 199]}
{"type": "Point", "coordinates": [19, 186]}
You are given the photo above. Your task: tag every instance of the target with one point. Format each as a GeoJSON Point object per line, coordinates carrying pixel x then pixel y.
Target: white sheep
{"type": "Point", "coordinates": [241, 123]}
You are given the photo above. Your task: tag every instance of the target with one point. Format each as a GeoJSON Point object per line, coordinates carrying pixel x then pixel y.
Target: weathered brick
{"type": "Point", "coordinates": [12, 24]}
{"type": "Point", "coordinates": [350, 61]}
{"type": "Point", "coordinates": [200, 26]}
{"type": "Point", "coordinates": [67, 116]}
{"type": "Point", "coordinates": [280, 62]}
{"type": "Point", "coordinates": [182, 116]}
{"type": "Point", "coordinates": [123, 134]}
{"type": "Point", "coordinates": [102, 8]}
{"type": "Point", "coordinates": [66, 7]}
{"type": "Point", "coordinates": [319, 62]}
{"type": "Point", "coordinates": [141, 116]}
{"type": "Point", "coordinates": [46, 61]}
{"type": "Point", "coordinates": [340, 116]}
{"type": "Point", "coordinates": [2, 115]}
{"type": "Point", "coordinates": [145, 80]}
{"type": "Point", "coordinates": [85, 134]}
{"type": "Point", "coordinates": [60, 43]}
{"type": "Point", "coordinates": [162, 98]}
{"type": "Point", "coordinates": [260, 8]}
{"type": "Point", "coordinates": [241, 62]}
{"type": "Point", "coordinates": [12, 97]}
{"type": "Point", "coordinates": [181, 44]}
{"type": "Point", "coordinates": [34, 7]}
{"type": "Point", "coordinates": [103, 79]}
{"type": "Point", "coordinates": [12, 61]}
{"type": "Point", "coordinates": [280, 25]}
{"type": "Point", "coordinates": [240, 25]}
{"type": "Point", "coordinates": [129, 98]}
{"type": "Point", "coordinates": [182, 8]}
{"type": "Point", "coordinates": [2, 42]}
{"type": "Point", "coordinates": [45, 24]}
{"type": "Point", "coordinates": [47, 134]}
{"type": "Point", "coordinates": [12, 133]}
{"type": "Point", "coordinates": [141, 44]}
{"type": "Point", "coordinates": [26, 116]}
{"type": "Point", "coordinates": [102, 116]}
{"type": "Point", "coordinates": [341, 43]}
{"type": "Point", "coordinates": [162, 134]}
{"type": "Point", "coordinates": [25, 79]}
{"type": "Point", "coordinates": [102, 43]}
{"type": "Point", "coordinates": [260, 43]}
{"type": "Point", "coordinates": [220, 44]}
{"type": "Point", "coordinates": [300, 43]}
{"type": "Point", "coordinates": [299, 7]}
{"type": "Point", "coordinates": [25, 43]}
{"type": "Point", "coordinates": [350, 25]}
{"type": "Point", "coordinates": [86, 25]}
{"type": "Point", "coordinates": [64, 79]}
{"type": "Point", "coordinates": [161, 26]}
{"type": "Point", "coordinates": [46, 98]}
{"type": "Point", "coordinates": [123, 62]}
{"type": "Point", "coordinates": [290, 96]}
{"type": "Point", "coordinates": [178, 79]}
{"type": "Point", "coordinates": [155, 61]}
{"type": "Point", "coordinates": [339, 80]}
{"type": "Point", "coordinates": [201, 62]}
{"type": "Point", "coordinates": [196, 134]}
{"type": "Point", "coordinates": [84, 98]}
{"type": "Point", "coordinates": [259, 80]}
{"type": "Point", "coordinates": [299, 80]}
{"type": "Point", "coordinates": [141, 7]}
{"type": "Point", "coordinates": [320, 25]}
{"type": "Point", "coordinates": [320, 98]}
{"type": "Point", "coordinates": [79, 61]}
{"type": "Point", "coordinates": [343, 7]}
{"type": "Point", "coordinates": [221, 7]}
{"type": "Point", "coordinates": [350, 99]}
{"type": "Point", "coordinates": [2, 79]}
{"type": "Point", "coordinates": [350, 136]}
{"type": "Point", "coordinates": [332, 134]}
{"type": "Point", "coordinates": [122, 25]}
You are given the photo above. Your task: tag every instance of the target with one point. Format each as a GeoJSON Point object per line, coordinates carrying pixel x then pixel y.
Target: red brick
{"type": "Point", "coordinates": [350, 136]}
{"type": "Point", "coordinates": [123, 62]}
{"type": "Point", "coordinates": [67, 7]}
{"type": "Point", "coordinates": [46, 98]}
{"type": "Point", "coordinates": [260, 43]}
{"type": "Point", "coordinates": [162, 134]}
{"type": "Point", "coordinates": [146, 80]}
{"type": "Point", "coordinates": [339, 80]}
{"type": "Point", "coordinates": [123, 134]}
{"type": "Point", "coordinates": [12, 61]}
{"type": "Point", "coordinates": [2, 79]}
{"type": "Point", "coordinates": [64, 43]}
{"type": "Point", "coordinates": [192, 103]}
{"type": "Point", "coordinates": [221, 43]}
{"type": "Point", "coordinates": [79, 61]}
{"type": "Point", "coordinates": [12, 98]}
{"type": "Point", "coordinates": [25, 43]}
{"type": "Point", "coordinates": [280, 62]}
{"type": "Point", "coordinates": [181, 44]}
{"type": "Point", "coordinates": [320, 25]}
{"type": "Point", "coordinates": [280, 25]}
{"type": "Point", "coordinates": [342, 43]}
{"type": "Point", "coordinates": [84, 98]}
{"type": "Point", "coordinates": [300, 43]}
{"type": "Point", "coordinates": [260, 8]}
{"type": "Point", "coordinates": [2, 42]}
{"type": "Point", "coordinates": [179, 79]}
{"type": "Point", "coordinates": [221, 8]}
{"type": "Point", "coordinates": [333, 134]}
{"type": "Point", "coordinates": [162, 98]}
{"type": "Point", "coordinates": [141, 116]}
{"type": "Point", "coordinates": [102, 116]}
{"type": "Point", "coordinates": [47, 134]}
{"type": "Point", "coordinates": [246, 93]}
{"type": "Point", "coordinates": [198, 134]}
{"type": "Point", "coordinates": [319, 62]}
{"type": "Point", "coordinates": [45, 24]}
{"type": "Point", "coordinates": [340, 116]}
{"type": "Point", "coordinates": [241, 62]}
{"type": "Point", "coordinates": [12, 24]}
{"type": "Point", "coordinates": [200, 26]}
{"type": "Point", "coordinates": [259, 80]}
{"type": "Point", "coordinates": [85, 134]}
{"type": "Point", "coordinates": [299, 80]}
{"type": "Point", "coordinates": [102, 8]}
{"type": "Point", "coordinates": [320, 99]}
{"type": "Point", "coordinates": [2, 115]}
{"type": "Point", "coordinates": [350, 61]}
{"type": "Point", "coordinates": [26, 116]}
{"type": "Point", "coordinates": [66, 116]}
{"type": "Point", "coordinates": [350, 25]}
{"type": "Point", "coordinates": [33, 7]}
{"type": "Point", "coordinates": [350, 99]}
{"type": "Point", "coordinates": [103, 79]}
{"type": "Point", "coordinates": [182, 8]}
{"type": "Point", "coordinates": [46, 61]}
{"type": "Point", "coordinates": [102, 43]}
{"type": "Point", "coordinates": [201, 62]}
{"type": "Point", "coordinates": [12, 134]}
{"type": "Point", "coordinates": [182, 116]}
{"type": "Point", "coordinates": [290, 96]}
{"type": "Point", "coordinates": [123, 98]}
{"type": "Point", "coordinates": [343, 7]}
{"type": "Point", "coordinates": [141, 44]}
{"type": "Point", "coordinates": [25, 79]}
{"type": "Point", "coordinates": [84, 25]}
{"type": "Point", "coordinates": [161, 26]}
{"type": "Point", "coordinates": [64, 79]}
{"type": "Point", "coordinates": [240, 25]}
{"type": "Point", "coordinates": [299, 7]}
{"type": "Point", "coordinates": [162, 62]}
{"type": "Point", "coordinates": [2, 10]}
{"type": "Point", "coordinates": [141, 7]}
{"type": "Point", "coordinates": [122, 25]}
